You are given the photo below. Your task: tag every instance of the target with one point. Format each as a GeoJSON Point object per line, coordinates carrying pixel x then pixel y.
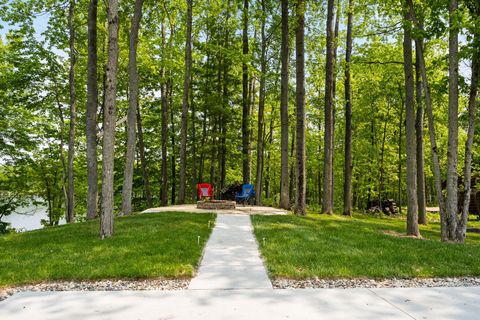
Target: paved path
{"type": "Point", "coordinates": [368, 304]}
{"type": "Point", "coordinates": [231, 259]}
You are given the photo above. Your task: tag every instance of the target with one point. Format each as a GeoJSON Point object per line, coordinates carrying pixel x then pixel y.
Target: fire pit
{"type": "Point", "coordinates": [216, 205]}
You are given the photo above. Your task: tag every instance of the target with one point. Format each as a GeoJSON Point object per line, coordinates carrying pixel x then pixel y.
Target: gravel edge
{"type": "Point", "coordinates": [317, 283]}
{"type": "Point", "coordinates": [101, 285]}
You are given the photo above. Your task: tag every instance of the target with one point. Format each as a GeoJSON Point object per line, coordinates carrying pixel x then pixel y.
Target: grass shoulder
{"type": "Point", "coordinates": [361, 246]}
{"type": "Point", "coordinates": [143, 246]}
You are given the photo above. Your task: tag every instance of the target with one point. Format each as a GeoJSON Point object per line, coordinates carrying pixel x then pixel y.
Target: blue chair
{"type": "Point", "coordinates": [247, 194]}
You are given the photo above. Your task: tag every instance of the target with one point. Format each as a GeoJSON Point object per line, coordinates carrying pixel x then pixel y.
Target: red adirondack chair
{"type": "Point", "coordinates": [205, 190]}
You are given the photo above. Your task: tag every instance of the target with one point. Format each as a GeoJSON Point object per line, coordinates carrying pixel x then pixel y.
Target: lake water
{"type": "Point", "coordinates": [28, 218]}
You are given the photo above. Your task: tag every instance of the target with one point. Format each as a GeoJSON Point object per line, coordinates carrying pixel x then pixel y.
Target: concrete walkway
{"type": "Point", "coordinates": [368, 304]}
{"type": "Point", "coordinates": [231, 259]}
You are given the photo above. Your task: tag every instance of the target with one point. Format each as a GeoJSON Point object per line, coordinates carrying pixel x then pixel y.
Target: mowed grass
{"type": "Point", "coordinates": [341, 247]}
{"type": "Point", "coordinates": [143, 246]}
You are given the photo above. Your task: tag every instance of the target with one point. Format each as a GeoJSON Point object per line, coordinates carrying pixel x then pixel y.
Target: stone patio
{"type": "Point", "coordinates": [240, 209]}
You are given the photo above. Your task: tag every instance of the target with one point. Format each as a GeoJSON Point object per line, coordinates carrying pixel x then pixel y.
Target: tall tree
{"type": "Point", "coordinates": [422, 212]}
{"type": "Point", "coordinates": [109, 120]}
{"type": "Point", "coordinates": [70, 217]}
{"type": "Point", "coordinates": [186, 89]}
{"type": "Point", "coordinates": [472, 108]}
{"type": "Point", "coordinates": [245, 99]}
{"type": "Point", "coordinates": [452, 152]}
{"type": "Point", "coordinates": [132, 109]}
{"type": "Point", "coordinates": [412, 209]}
{"type": "Point", "coordinates": [284, 195]}
{"type": "Point", "coordinates": [143, 161]}
{"type": "Point", "coordinates": [301, 179]}
{"type": "Point", "coordinates": [431, 125]}
{"type": "Point", "coordinates": [164, 102]}
{"type": "Point", "coordinates": [347, 186]}
{"type": "Point", "coordinates": [92, 103]}
{"type": "Point", "coordinates": [261, 108]}
{"type": "Point", "coordinates": [329, 101]}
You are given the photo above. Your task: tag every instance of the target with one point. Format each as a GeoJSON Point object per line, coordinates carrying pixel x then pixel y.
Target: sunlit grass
{"type": "Point", "coordinates": [143, 246]}
{"type": "Point", "coordinates": [342, 247]}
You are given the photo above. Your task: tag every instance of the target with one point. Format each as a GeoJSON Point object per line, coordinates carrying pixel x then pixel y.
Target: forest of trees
{"type": "Point", "coordinates": [111, 107]}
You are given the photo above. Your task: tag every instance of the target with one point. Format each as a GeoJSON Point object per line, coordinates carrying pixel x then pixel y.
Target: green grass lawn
{"type": "Point", "coordinates": [143, 246]}
{"type": "Point", "coordinates": [341, 247]}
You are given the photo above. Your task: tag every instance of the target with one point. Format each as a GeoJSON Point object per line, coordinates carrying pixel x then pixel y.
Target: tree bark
{"type": "Point", "coordinates": [164, 101]}
{"type": "Point", "coordinates": [400, 125]}
{"type": "Point", "coordinates": [194, 143]}
{"type": "Point", "coordinates": [412, 209]}
{"type": "Point", "coordinates": [472, 106]}
{"type": "Point", "coordinates": [261, 108]}
{"type": "Point", "coordinates": [172, 137]}
{"type": "Point", "coordinates": [452, 150]}
{"type": "Point", "coordinates": [347, 187]}
{"type": "Point", "coordinates": [91, 114]}
{"type": "Point", "coordinates": [132, 110]}
{"type": "Point", "coordinates": [70, 214]}
{"type": "Point", "coordinates": [284, 195]}
{"type": "Point", "coordinates": [186, 92]}
{"type": "Point", "coordinates": [245, 100]}
{"type": "Point", "coordinates": [431, 129]}
{"type": "Point", "coordinates": [329, 101]}
{"type": "Point", "coordinates": [143, 161]}
{"type": "Point", "coordinates": [300, 194]}
{"type": "Point", "coordinates": [422, 213]}
{"type": "Point", "coordinates": [109, 120]}
{"type": "Point", "coordinates": [225, 97]}
{"type": "Point", "coordinates": [268, 177]}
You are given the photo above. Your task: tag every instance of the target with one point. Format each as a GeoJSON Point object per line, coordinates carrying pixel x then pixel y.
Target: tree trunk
{"type": "Point", "coordinates": [467, 169]}
{"type": "Point", "coordinates": [412, 209]}
{"type": "Point", "coordinates": [186, 89]}
{"type": "Point", "coordinates": [172, 136]}
{"type": "Point", "coordinates": [292, 170]}
{"type": "Point", "coordinates": [164, 101]}
{"type": "Point", "coordinates": [109, 119]}
{"type": "Point", "coordinates": [143, 160]}
{"type": "Point", "coordinates": [213, 151]}
{"type": "Point", "coordinates": [225, 97]}
{"type": "Point", "coordinates": [202, 146]}
{"type": "Point", "coordinates": [300, 194]}
{"type": "Point", "coordinates": [91, 114]}
{"type": "Point", "coordinates": [452, 151]}
{"type": "Point", "coordinates": [61, 143]}
{"type": "Point", "coordinates": [329, 101]}
{"type": "Point", "coordinates": [132, 110]}
{"type": "Point", "coordinates": [194, 143]}
{"type": "Point", "coordinates": [431, 129]}
{"type": "Point", "coordinates": [268, 177]}
{"type": "Point", "coordinates": [347, 187]}
{"type": "Point", "coordinates": [261, 108]}
{"type": "Point", "coordinates": [334, 90]}
{"type": "Point", "coordinates": [70, 216]}
{"type": "Point", "coordinates": [284, 195]}
{"type": "Point", "coordinates": [422, 213]}
{"type": "Point", "coordinates": [400, 125]}
{"type": "Point", "coordinates": [245, 100]}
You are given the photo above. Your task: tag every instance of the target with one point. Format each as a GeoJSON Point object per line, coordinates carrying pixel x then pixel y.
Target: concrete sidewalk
{"type": "Point", "coordinates": [231, 259]}
{"type": "Point", "coordinates": [399, 303]}
{"type": "Point", "coordinates": [232, 284]}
